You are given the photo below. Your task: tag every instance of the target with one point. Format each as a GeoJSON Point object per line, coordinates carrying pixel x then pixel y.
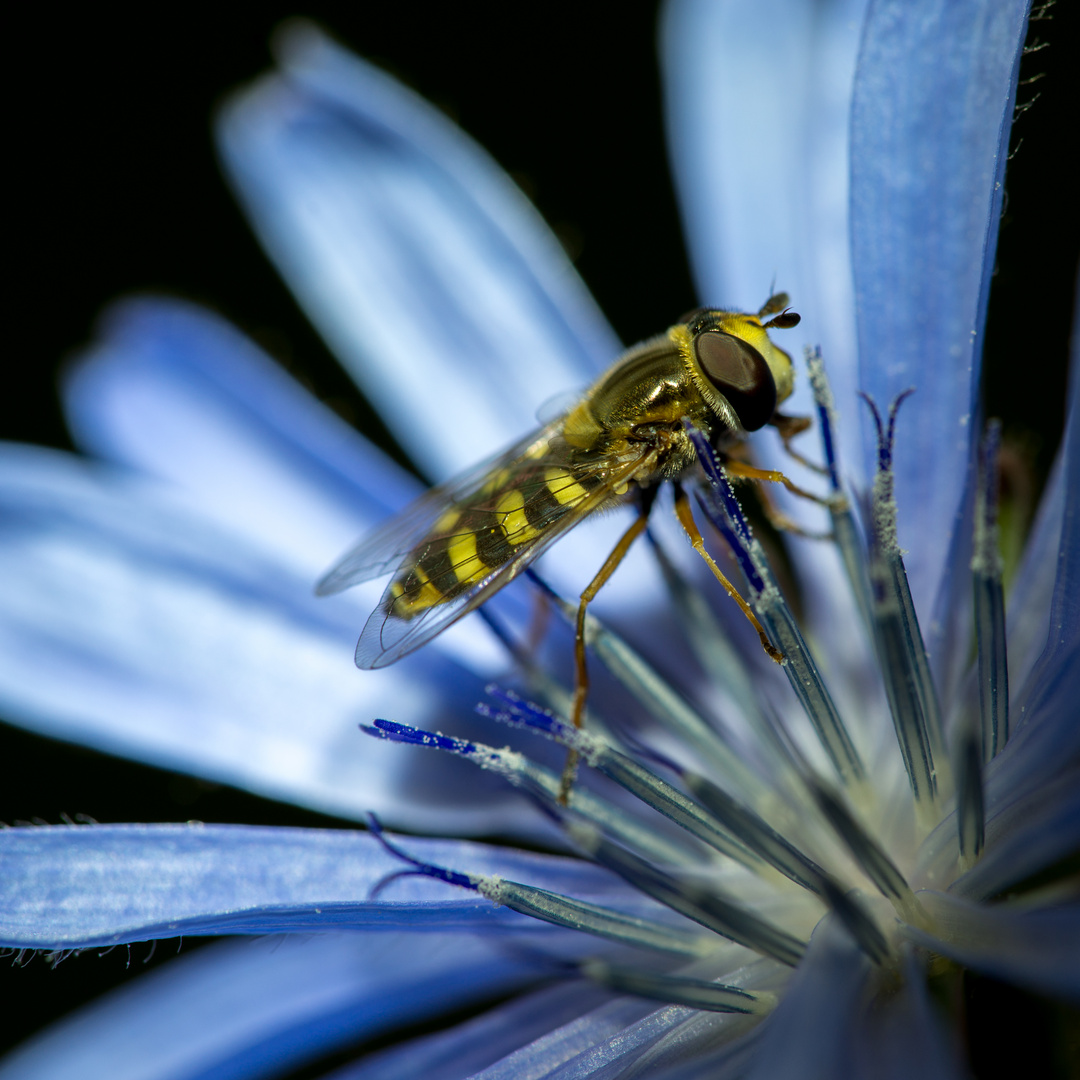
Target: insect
{"type": "Point", "coordinates": [463, 541]}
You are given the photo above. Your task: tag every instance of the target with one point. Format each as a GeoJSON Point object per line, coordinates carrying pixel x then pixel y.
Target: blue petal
{"type": "Point", "coordinates": [421, 264]}
{"type": "Point", "coordinates": [253, 1008]}
{"type": "Point", "coordinates": [757, 103]}
{"type": "Point", "coordinates": [902, 1036]}
{"type": "Point", "coordinates": [130, 625]}
{"type": "Point", "coordinates": [807, 1036]}
{"type": "Point", "coordinates": [1059, 656]}
{"type": "Point", "coordinates": [467, 1048]}
{"type": "Point", "coordinates": [576, 1049]}
{"type": "Point", "coordinates": [80, 886]}
{"type": "Point", "coordinates": [1026, 833]}
{"type": "Point", "coordinates": [1046, 737]}
{"type": "Point", "coordinates": [175, 391]}
{"type": "Point", "coordinates": [934, 95]}
{"type": "Point", "coordinates": [1032, 590]}
{"type": "Point", "coordinates": [1036, 948]}
{"type": "Point", "coordinates": [630, 1036]}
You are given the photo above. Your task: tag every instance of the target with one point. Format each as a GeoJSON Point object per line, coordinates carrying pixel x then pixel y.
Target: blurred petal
{"type": "Point", "coordinates": [1032, 591]}
{"type": "Point", "coordinates": [426, 270]}
{"type": "Point", "coordinates": [807, 1036]}
{"type": "Point", "coordinates": [469, 1047]}
{"type": "Point", "coordinates": [560, 1052]}
{"type": "Point", "coordinates": [1045, 736]}
{"type": "Point", "coordinates": [1032, 948]}
{"type": "Point", "coordinates": [175, 391]}
{"type": "Point", "coordinates": [757, 107]}
{"type": "Point", "coordinates": [757, 103]}
{"type": "Point", "coordinates": [902, 1036]}
{"type": "Point", "coordinates": [129, 625]}
{"type": "Point", "coordinates": [1026, 835]}
{"type": "Point", "coordinates": [74, 887]}
{"type": "Point", "coordinates": [253, 1008]}
{"type": "Point", "coordinates": [926, 187]}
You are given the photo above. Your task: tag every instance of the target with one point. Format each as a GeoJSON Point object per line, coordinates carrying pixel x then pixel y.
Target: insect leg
{"type": "Point", "coordinates": [787, 427]}
{"type": "Point", "coordinates": [777, 518]}
{"type": "Point", "coordinates": [581, 672]}
{"type": "Point", "coordinates": [686, 520]}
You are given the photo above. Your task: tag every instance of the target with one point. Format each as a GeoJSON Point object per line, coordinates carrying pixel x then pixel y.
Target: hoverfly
{"type": "Point", "coordinates": [464, 540]}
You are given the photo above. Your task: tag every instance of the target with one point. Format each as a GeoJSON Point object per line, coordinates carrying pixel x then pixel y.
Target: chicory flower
{"type": "Point", "coordinates": [167, 615]}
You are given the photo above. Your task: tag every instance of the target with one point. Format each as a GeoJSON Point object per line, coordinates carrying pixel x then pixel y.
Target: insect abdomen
{"type": "Point", "coordinates": [470, 542]}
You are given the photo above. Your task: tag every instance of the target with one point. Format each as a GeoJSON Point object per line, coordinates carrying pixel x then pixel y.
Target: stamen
{"type": "Point", "coordinates": [977, 747]}
{"type": "Point", "coordinates": [558, 910]}
{"type": "Point", "coordinates": [845, 531]}
{"type": "Point", "coordinates": [710, 645]}
{"type": "Point", "coordinates": [731, 829]}
{"type": "Point", "coordinates": [705, 906]}
{"type": "Point", "coordinates": [986, 569]}
{"type": "Point", "coordinates": [440, 873]}
{"type": "Point", "coordinates": [541, 685]}
{"type": "Point", "coordinates": [593, 919]}
{"type": "Point", "coordinates": [635, 778]}
{"type": "Point", "coordinates": [785, 857]}
{"type": "Point", "coordinates": [660, 698]}
{"type": "Point", "coordinates": [543, 784]}
{"type": "Point", "coordinates": [723, 510]}
{"type": "Point", "coordinates": [901, 652]}
{"type": "Point", "coordinates": [970, 808]}
{"type": "Point", "coordinates": [870, 856]}
{"type": "Point", "coordinates": [679, 989]}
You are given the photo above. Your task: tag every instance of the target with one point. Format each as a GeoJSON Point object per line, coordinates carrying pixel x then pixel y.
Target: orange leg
{"type": "Point", "coordinates": [686, 519]}
{"type": "Point", "coordinates": [777, 518]}
{"type": "Point", "coordinates": [787, 428]}
{"type": "Point", "coordinates": [581, 672]}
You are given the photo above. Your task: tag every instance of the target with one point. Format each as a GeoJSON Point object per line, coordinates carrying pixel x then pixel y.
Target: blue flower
{"type": "Point", "coordinates": [162, 610]}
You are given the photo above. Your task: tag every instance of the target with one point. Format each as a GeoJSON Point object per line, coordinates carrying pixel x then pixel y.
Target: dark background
{"type": "Point", "coordinates": [115, 189]}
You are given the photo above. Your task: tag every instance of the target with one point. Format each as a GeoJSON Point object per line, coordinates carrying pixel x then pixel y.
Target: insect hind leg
{"type": "Point", "coordinates": [581, 671]}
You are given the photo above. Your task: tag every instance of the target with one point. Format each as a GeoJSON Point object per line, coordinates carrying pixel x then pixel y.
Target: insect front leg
{"type": "Point", "coordinates": [686, 520]}
{"type": "Point", "coordinates": [787, 427]}
{"type": "Point", "coordinates": [742, 470]}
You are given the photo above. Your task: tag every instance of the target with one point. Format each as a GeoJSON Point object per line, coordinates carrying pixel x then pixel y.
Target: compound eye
{"type": "Point", "coordinates": [740, 373]}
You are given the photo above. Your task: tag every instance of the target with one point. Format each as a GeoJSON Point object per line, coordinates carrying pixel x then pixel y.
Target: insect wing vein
{"type": "Point", "coordinates": [384, 549]}
{"type": "Point", "coordinates": [526, 509]}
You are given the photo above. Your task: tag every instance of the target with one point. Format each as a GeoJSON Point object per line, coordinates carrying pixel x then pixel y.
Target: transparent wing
{"type": "Point", "coordinates": [521, 510]}
{"type": "Point", "coordinates": [384, 549]}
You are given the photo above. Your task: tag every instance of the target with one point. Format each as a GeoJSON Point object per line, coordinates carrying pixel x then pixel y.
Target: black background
{"type": "Point", "coordinates": [115, 189]}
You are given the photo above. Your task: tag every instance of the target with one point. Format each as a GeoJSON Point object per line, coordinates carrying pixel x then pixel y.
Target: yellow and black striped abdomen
{"type": "Point", "coordinates": [514, 508]}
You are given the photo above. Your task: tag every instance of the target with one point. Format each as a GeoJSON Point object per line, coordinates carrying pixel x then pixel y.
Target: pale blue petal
{"type": "Point", "coordinates": [632, 1037]}
{"type": "Point", "coordinates": [806, 1038]}
{"type": "Point", "coordinates": [1045, 737]}
{"type": "Point", "coordinates": [1028, 605]}
{"type": "Point", "coordinates": [253, 1008]}
{"type": "Point", "coordinates": [1063, 636]}
{"type": "Point", "coordinates": [80, 886]}
{"type": "Point", "coordinates": [933, 104]}
{"type": "Point", "coordinates": [469, 1047]}
{"type": "Point", "coordinates": [174, 390]}
{"type": "Point", "coordinates": [1046, 582]}
{"type": "Point", "coordinates": [901, 1036]}
{"type": "Point", "coordinates": [1025, 835]}
{"type": "Point", "coordinates": [129, 625]}
{"type": "Point", "coordinates": [1034, 948]}
{"type": "Point", "coordinates": [560, 1052]}
{"type": "Point", "coordinates": [425, 269]}
{"type": "Point", "coordinates": [757, 103]}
